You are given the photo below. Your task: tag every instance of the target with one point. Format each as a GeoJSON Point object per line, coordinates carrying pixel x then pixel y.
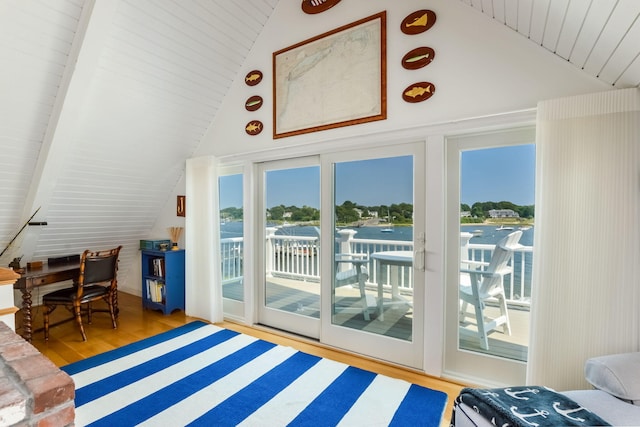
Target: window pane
{"type": "Point", "coordinates": [292, 255]}
{"type": "Point", "coordinates": [373, 282]}
{"type": "Point", "coordinates": [231, 236]}
{"type": "Point", "coordinates": [497, 201]}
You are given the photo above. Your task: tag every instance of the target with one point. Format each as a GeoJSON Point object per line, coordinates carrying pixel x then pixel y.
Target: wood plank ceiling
{"type": "Point", "coordinates": [101, 102]}
{"type": "Point", "coordinates": [601, 37]}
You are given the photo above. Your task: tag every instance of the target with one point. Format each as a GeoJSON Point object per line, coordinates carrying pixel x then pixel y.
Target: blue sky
{"type": "Point", "coordinates": [375, 182]}
{"type": "Point", "coordinates": [294, 187]}
{"type": "Point", "coordinates": [497, 174]}
{"type": "Point", "coordinates": [230, 188]}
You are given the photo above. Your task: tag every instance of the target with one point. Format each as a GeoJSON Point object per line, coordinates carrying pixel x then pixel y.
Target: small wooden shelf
{"type": "Point", "coordinates": [163, 280]}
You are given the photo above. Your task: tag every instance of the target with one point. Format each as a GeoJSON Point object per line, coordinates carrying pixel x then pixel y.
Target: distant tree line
{"type": "Point", "coordinates": [348, 212]}
{"type": "Point", "coordinates": [400, 213]}
{"type": "Point", "coordinates": [480, 210]}
{"type": "Point", "coordinates": [231, 214]}
{"type": "Point", "coordinates": [303, 214]}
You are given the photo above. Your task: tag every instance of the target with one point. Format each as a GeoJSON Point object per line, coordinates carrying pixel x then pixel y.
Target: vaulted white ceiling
{"type": "Point", "coordinates": [601, 37]}
{"type": "Point", "coordinates": [101, 101]}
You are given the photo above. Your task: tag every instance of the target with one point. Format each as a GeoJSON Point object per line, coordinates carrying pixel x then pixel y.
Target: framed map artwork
{"type": "Point", "coordinates": [335, 79]}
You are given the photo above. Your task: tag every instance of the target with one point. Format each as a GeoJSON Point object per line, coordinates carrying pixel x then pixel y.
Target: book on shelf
{"type": "Point", "coordinates": [156, 291]}
{"type": "Point", "coordinates": [158, 266]}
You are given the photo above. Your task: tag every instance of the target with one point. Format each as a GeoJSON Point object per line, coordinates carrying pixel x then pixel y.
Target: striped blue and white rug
{"type": "Point", "coordinates": [200, 374]}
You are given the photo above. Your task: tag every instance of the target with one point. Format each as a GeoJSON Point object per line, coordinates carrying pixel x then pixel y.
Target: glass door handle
{"type": "Point", "coordinates": [419, 259]}
{"type": "Point", "coordinates": [419, 254]}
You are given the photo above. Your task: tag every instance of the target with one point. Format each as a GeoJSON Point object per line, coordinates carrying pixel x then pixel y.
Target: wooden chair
{"type": "Point", "coordinates": [97, 280]}
{"type": "Point", "coordinates": [477, 286]}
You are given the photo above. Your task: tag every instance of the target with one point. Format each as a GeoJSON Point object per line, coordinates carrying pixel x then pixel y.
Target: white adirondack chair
{"type": "Point", "coordinates": [357, 274]}
{"type": "Point", "coordinates": [485, 283]}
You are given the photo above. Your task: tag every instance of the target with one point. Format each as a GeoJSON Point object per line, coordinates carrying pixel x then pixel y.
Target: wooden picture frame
{"type": "Point", "coordinates": [181, 206]}
{"type": "Point", "coordinates": [336, 79]}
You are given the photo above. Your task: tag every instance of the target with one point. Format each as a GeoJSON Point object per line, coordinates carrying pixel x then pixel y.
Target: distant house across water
{"type": "Point", "coordinates": [503, 213]}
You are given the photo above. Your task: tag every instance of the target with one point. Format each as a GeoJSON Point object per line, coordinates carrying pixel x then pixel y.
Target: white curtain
{"type": "Point", "coordinates": [203, 288]}
{"type": "Point", "coordinates": [586, 282]}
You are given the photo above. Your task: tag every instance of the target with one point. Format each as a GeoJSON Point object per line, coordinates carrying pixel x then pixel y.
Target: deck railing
{"type": "Point", "coordinates": [297, 257]}
{"type": "Point", "coordinates": [517, 285]}
{"type": "Point", "coordinates": [231, 251]}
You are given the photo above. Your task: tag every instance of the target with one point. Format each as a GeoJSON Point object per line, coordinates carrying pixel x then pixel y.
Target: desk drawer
{"type": "Point", "coordinates": [41, 281]}
{"type": "Point", "coordinates": [56, 277]}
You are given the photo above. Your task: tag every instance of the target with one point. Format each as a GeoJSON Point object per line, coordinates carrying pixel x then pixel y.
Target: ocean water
{"type": "Point", "coordinates": [405, 233]}
{"type": "Point", "coordinates": [490, 235]}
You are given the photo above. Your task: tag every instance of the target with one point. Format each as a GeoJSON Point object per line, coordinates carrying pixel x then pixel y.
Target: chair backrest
{"type": "Point", "coordinates": [499, 262]}
{"type": "Point", "coordinates": [98, 267]}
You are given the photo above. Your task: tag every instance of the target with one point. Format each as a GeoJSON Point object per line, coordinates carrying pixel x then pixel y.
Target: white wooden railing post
{"type": "Point", "coordinates": [344, 245]}
{"type": "Point", "coordinates": [344, 239]}
{"type": "Point", "coordinates": [270, 251]}
{"type": "Point", "coordinates": [464, 249]}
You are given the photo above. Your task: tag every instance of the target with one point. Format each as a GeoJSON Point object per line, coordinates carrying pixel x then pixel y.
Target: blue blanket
{"type": "Point", "coordinates": [526, 406]}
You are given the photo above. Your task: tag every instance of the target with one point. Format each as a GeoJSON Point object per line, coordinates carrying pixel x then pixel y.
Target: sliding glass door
{"type": "Point", "coordinates": [232, 248]}
{"type": "Point", "coordinates": [289, 294]}
{"type": "Point", "coordinates": [490, 233]}
{"type": "Point", "coordinates": [342, 250]}
{"type": "Point", "coordinates": [374, 283]}
{"type": "Point", "coordinates": [371, 251]}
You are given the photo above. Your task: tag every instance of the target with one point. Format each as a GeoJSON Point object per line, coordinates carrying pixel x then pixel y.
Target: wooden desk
{"type": "Point", "coordinates": [40, 277]}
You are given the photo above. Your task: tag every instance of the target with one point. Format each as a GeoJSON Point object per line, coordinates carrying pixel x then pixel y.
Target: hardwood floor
{"type": "Point", "coordinates": [66, 346]}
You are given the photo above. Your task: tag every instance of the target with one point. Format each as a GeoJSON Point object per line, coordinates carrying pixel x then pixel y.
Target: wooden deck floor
{"type": "Point", "coordinates": [304, 298]}
{"type": "Point", "coordinates": [514, 346]}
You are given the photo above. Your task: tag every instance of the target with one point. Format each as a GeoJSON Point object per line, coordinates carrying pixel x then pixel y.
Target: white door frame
{"type": "Point", "coordinates": [292, 322]}
{"type": "Point", "coordinates": [390, 349]}
{"type": "Point", "coordinates": [464, 365]}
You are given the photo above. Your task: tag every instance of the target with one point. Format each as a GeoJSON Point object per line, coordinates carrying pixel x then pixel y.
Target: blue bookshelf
{"type": "Point", "coordinates": [163, 280]}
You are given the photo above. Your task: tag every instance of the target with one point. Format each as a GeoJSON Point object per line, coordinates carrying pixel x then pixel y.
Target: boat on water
{"type": "Point", "coordinates": [477, 233]}
{"type": "Point", "coordinates": [525, 227]}
{"type": "Point", "coordinates": [388, 229]}
{"type": "Point", "coordinates": [502, 227]}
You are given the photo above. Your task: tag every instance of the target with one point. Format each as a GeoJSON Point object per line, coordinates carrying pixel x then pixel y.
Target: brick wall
{"type": "Point", "coordinates": [33, 391]}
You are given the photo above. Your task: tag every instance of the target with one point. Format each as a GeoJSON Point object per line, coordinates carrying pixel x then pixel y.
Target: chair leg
{"type": "Point", "coordinates": [506, 327]}
{"type": "Point", "coordinates": [114, 299]}
{"type": "Point", "coordinates": [78, 316]}
{"type": "Point", "coordinates": [482, 332]}
{"type": "Point", "coordinates": [363, 298]}
{"type": "Point", "coordinates": [45, 315]}
{"type": "Point", "coordinates": [89, 313]}
{"type": "Point", "coordinates": [463, 310]}
{"type": "Point", "coordinates": [112, 310]}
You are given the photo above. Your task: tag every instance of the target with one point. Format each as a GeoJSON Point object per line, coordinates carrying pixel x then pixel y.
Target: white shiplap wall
{"type": "Point", "coordinates": [35, 42]}
{"type": "Point", "coordinates": [150, 77]}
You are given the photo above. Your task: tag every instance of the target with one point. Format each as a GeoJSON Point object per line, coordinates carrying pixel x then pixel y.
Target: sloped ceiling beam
{"type": "Point", "coordinates": [93, 29]}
